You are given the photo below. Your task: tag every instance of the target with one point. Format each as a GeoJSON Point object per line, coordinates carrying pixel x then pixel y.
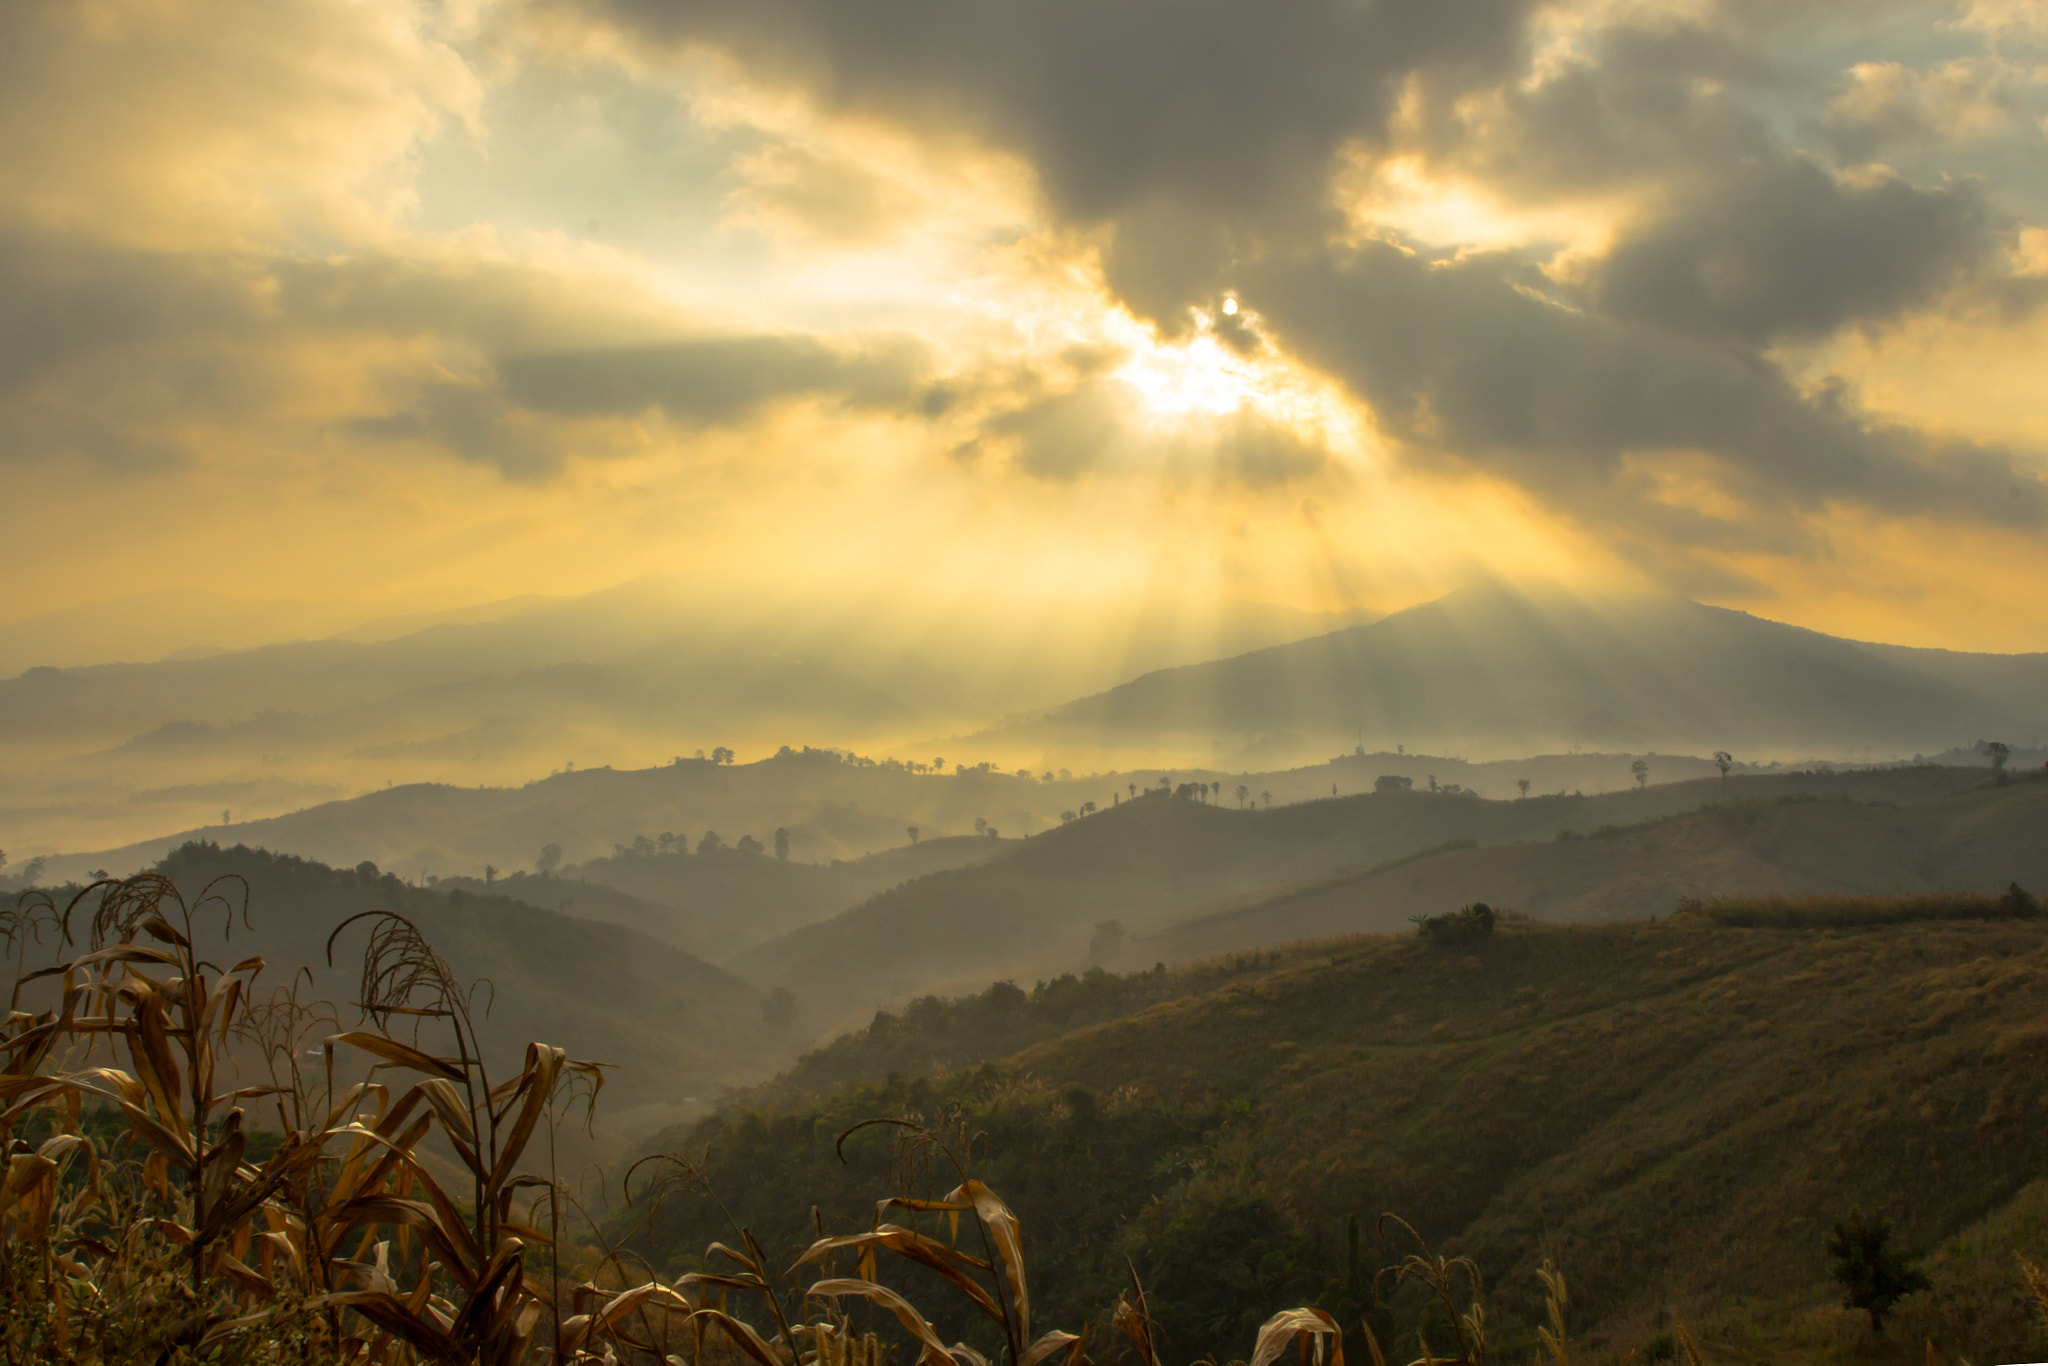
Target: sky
{"type": "Point", "coordinates": [1155, 305]}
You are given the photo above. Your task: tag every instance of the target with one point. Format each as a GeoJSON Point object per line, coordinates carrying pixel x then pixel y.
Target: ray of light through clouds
{"type": "Point", "coordinates": [1155, 304]}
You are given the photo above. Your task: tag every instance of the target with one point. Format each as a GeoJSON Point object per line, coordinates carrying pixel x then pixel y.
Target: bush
{"type": "Point", "coordinates": [1456, 927]}
{"type": "Point", "coordinates": [1873, 1275]}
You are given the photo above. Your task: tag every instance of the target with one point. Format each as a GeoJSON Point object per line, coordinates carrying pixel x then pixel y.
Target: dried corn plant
{"type": "Point", "coordinates": [142, 1230]}
{"type": "Point", "coordinates": [1441, 1276]}
{"type": "Point", "coordinates": [1555, 1302]}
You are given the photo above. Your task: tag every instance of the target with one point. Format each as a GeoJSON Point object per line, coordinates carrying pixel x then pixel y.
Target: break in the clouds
{"type": "Point", "coordinates": [1358, 294]}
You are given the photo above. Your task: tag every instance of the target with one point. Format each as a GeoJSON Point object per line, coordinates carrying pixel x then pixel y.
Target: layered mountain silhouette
{"type": "Point", "coordinates": [1492, 670]}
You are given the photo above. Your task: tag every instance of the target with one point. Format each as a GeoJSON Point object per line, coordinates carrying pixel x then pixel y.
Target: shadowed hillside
{"type": "Point", "coordinates": [1796, 843]}
{"type": "Point", "coordinates": [1036, 911]}
{"type": "Point", "coordinates": [674, 1025]}
{"type": "Point", "coordinates": [1676, 1112]}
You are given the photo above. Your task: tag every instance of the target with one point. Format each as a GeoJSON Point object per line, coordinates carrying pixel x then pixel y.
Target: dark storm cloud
{"type": "Point", "coordinates": [1215, 103]}
{"type": "Point", "coordinates": [1779, 248]}
{"type": "Point", "coordinates": [109, 354]}
{"type": "Point", "coordinates": [1177, 122]}
{"type": "Point", "coordinates": [1460, 364]}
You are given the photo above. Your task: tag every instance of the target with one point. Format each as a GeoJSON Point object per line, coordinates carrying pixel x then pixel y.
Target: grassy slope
{"type": "Point", "coordinates": [1804, 841]}
{"type": "Point", "coordinates": [1031, 911]}
{"type": "Point", "coordinates": [1676, 1111]}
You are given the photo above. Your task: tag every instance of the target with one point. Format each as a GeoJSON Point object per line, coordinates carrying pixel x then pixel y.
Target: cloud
{"type": "Point", "coordinates": [1878, 105]}
{"type": "Point", "coordinates": [706, 381]}
{"type": "Point", "coordinates": [1778, 248]}
{"type": "Point", "coordinates": [802, 191]}
{"type": "Point", "coordinates": [1463, 367]}
{"type": "Point", "coordinates": [1096, 429]}
{"type": "Point", "coordinates": [1205, 109]}
{"type": "Point", "coordinates": [166, 121]}
{"type": "Point", "coordinates": [128, 357]}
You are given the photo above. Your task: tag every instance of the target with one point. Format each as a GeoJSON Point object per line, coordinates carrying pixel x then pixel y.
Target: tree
{"type": "Point", "coordinates": [490, 874]}
{"type": "Point", "coordinates": [749, 845]}
{"type": "Point", "coordinates": [1641, 768]}
{"type": "Point", "coordinates": [1134, 790]}
{"type": "Point", "coordinates": [1724, 761]}
{"type": "Point", "coordinates": [642, 846]}
{"type": "Point", "coordinates": [721, 755]}
{"type": "Point", "coordinates": [1267, 797]}
{"type": "Point", "coordinates": [993, 833]}
{"type": "Point", "coordinates": [913, 834]}
{"type": "Point", "coordinates": [980, 825]}
{"type": "Point", "coordinates": [1523, 783]}
{"type": "Point", "coordinates": [1393, 782]}
{"type": "Point", "coordinates": [710, 843]}
{"type": "Point", "coordinates": [939, 765]}
{"type": "Point", "coordinates": [1069, 816]}
{"type": "Point", "coordinates": [1107, 939]}
{"type": "Point", "coordinates": [550, 859]}
{"type": "Point", "coordinates": [1998, 752]}
{"type": "Point", "coordinates": [1242, 793]}
{"type": "Point", "coordinates": [778, 1010]}
{"type": "Point", "coordinates": [1088, 808]}
{"type": "Point", "coordinates": [1873, 1276]}
{"type": "Point", "coordinates": [782, 844]}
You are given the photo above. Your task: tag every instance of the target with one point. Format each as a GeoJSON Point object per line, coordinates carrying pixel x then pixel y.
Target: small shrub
{"type": "Point", "coordinates": [1456, 927]}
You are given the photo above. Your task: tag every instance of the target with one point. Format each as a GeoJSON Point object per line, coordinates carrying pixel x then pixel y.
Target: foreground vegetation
{"type": "Point", "coordinates": [1676, 1112]}
{"type": "Point", "coordinates": [1614, 1121]}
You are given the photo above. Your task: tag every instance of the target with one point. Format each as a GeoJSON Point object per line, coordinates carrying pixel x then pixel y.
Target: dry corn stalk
{"type": "Point", "coordinates": [1555, 1301]}
{"type": "Point", "coordinates": [2037, 1283]}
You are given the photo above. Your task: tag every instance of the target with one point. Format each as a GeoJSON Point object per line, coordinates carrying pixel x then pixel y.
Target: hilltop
{"type": "Point", "coordinates": [1182, 879]}
{"type": "Point", "coordinates": [1676, 1112]}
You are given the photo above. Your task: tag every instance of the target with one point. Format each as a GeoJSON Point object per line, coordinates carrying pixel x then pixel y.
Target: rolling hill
{"type": "Point", "coordinates": [1675, 1112]}
{"type": "Point", "coordinates": [676, 1027]}
{"type": "Point", "coordinates": [1184, 880]}
{"type": "Point", "coordinates": [1809, 838]}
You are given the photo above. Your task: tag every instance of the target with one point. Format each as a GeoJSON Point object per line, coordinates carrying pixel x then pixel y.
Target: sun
{"type": "Point", "coordinates": [1196, 376]}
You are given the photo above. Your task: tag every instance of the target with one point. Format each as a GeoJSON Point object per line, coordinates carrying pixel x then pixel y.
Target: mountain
{"type": "Point", "coordinates": [1494, 671]}
{"type": "Point", "coordinates": [1181, 880]}
{"type": "Point", "coordinates": [835, 806]}
{"type": "Point", "coordinates": [1675, 1113]}
{"type": "Point", "coordinates": [106, 753]}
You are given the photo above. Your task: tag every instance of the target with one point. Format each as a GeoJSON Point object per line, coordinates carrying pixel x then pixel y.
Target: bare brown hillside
{"type": "Point", "coordinates": [1975, 840]}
